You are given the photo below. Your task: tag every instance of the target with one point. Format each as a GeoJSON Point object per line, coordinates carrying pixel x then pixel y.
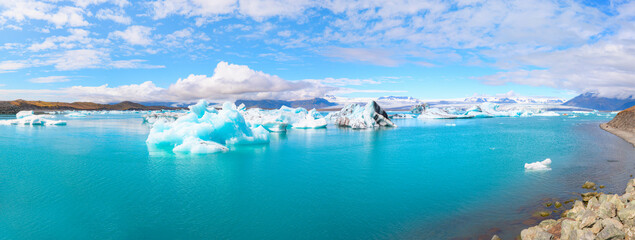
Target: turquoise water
{"type": "Point", "coordinates": [96, 179]}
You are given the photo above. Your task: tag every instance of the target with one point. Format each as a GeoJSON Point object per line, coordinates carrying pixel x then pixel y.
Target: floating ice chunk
{"type": "Point", "coordinates": [585, 113]}
{"type": "Point", "coordinates": [224, 127]}
{"type": "Point", "coordinates": [450, 124]}
{"type": "Point", "coordinates": [419, 108]}
{"type": "Point", "coordinates": [241, 107]}
{"type": "Point", "coordinates": [315, 114]}
{"type": "Point", "coordinates": [260, 136]}
{"type": "Point", "coordinates": [438, 113]}
{"type": "Point", "coordinates": [275, 126]}
{"type": "Point", "coordinates": [542, 165]}
{"type": "Point", "coordinates": [33, 120]}
{"type": "Point", "coordinates": [310, 122]}
{"type": "Point", "coordinates": [547, 114]}
{"type": "Point", "coordinates": [164, 116]}
{"type": "Point", "coordinates": [401, 116]}
{"type": "Point", "coordinates": [355, 116]}
{"type": "Point", "coordinates": [279, 119]}
{"type": "Point", "coordinates": [76, 114]}
{"type": "Point", "coordinates": [491, 109]}
{"type": "Point", "coordinates": [23, 114]}
{"type": "Point", "coordinates": [476, 112]}
{"type": "Point", "coordinates": [198, 146]}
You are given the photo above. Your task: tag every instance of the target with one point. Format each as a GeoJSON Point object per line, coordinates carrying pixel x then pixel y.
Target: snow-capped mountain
{"type": "Point", "coordinates": [405, 102]}
{"type": "Point", "coordinates": [515, 99]}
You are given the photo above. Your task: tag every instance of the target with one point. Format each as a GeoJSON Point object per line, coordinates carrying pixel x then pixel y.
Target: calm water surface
{"type": "Point", "coordinates": [96, 179]}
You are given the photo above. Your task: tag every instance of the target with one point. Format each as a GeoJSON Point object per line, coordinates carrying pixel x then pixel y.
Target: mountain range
{"type": "Point", "coordinates": [583, 101]}
{"type": "Point", "coordinates": [12, 107]}
{"type": "Point", "coordinates": [318, 103]}
{"type": "Point", "coordinates": [594, 101]}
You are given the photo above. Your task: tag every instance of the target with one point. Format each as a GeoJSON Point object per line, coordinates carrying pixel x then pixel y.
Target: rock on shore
{"type": "Point", "coordinates": [623, 125]}
{"type": "Point", "coordinates": [603, 216]}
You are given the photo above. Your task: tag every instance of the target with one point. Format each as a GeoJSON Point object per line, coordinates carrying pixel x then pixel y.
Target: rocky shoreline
{"type": "Point", "coordinates": [622, 125]}
{"type": "Point", "coordinates": [598, 216]}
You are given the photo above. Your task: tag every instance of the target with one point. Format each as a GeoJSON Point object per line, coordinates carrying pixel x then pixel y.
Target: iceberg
{"type": "Point", "coordinates": [205, 130]}
{"type": "Point", "coordinates": [28, 118]}
{"type": "Point", "coordinates": [491, 109]}
{"type": "Point", "coordinates": [419, 108]}
{"type": "Point", "coordinates": [199, 146]}
{"type": "Point", "coordinates": [539, 166]}
{"type": "Point", "coordinates": [151, 118]}
{"type": "Point", "coordinates": [76, 114]}
{"type": "Point", "coordinates": [23, 114]}
{"type": "Point", "coordinates": [279, 120]}
{"type": "Point", "coordinates": [401, 116]}
{"type": "Point", "coordinates": [477, 112]}
{"type": "Point", "coordinates": [547, 114]}
{"type": "Point", "coordinates": [438, 113]}
{"type": "Point", "coordinates": [310, 122]}
{"type": "Point", "coordinates": [484, 110]}
{"type": "Point", "coordinates": [356, 116]}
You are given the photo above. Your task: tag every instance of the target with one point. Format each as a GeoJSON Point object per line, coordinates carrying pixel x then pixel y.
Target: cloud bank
{"type": "Point", "coordinates": [228, 82]}
{"type": "Point", "coordinates": [573, 45]}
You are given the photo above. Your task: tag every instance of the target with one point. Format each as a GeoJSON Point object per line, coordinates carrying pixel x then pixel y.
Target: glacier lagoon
{"type": "Point", "coordinates": [425, 179]}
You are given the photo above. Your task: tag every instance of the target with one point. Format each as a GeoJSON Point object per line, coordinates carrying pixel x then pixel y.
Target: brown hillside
{"type": "Point", "coordinates": [41, 105]}
{"type": "Point", "coordinates": [624, 120]}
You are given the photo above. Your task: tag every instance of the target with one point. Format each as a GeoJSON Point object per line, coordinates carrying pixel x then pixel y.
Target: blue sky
{"type": "Point", "coordinates": [182, 50]}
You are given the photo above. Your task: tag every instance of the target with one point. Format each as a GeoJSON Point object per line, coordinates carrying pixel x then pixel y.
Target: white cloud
{"type": "Point", "coordinates": [346, 81]}
{"type": "Point", "coordinates": [261, 9]}
{"type": "Point", "coordinates": [605, 67]}
{"type": "Point", "coordinates": [78, 59]}
{"type": "Point", "coordinates": [77, 37]}
{"type": "Point", "coordinates": [135, 35]}
{"type": "Point", "coordinates": [10, 65]}
{"type": "Point", "coordinates": [133, 63]}
{"type": "Point", "coordinates": [232, 81]}
{"type": "Point", "coordinates": [164, 8]}
{"type": "Point", "coordinates": [115, 15]}
{"type": "Point", "coordinates": [146, 91]}
{"type": "Point", "coordinates": [373, 56]}
{"type": "Point", "coordinates": [86, 3]}
{"type": "Point", "coordinates": [50, 79]}
{"type": "Point", "coordinates": [183, 38]}
{"type": "Point", "coordinates": [37, 10]}
{"type": "Point", "coordinates": [229, 82]}
{"type": "Point", "coordinates": [75, 60]}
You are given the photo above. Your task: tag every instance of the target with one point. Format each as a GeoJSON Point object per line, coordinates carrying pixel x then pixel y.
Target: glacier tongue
{"type": "Point", "coordinates": [356, 116]}
{"type": "Point", "coordinates": [483, 110]}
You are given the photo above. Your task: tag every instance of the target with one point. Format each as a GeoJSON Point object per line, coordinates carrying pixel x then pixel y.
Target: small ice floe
{"type": "Point", "coordinates": [401, 116]}
{"type": "Point", "coordinates": [28, 118]}
{"type": "Point", "coordinates": [450, 124]}
{"type": "Point", "coordinates": [76, 115]}
{"type": "Point", "coordinates": [547, 114]}
{"type": "Point", "coordinates": [539, 166]}
{"type": "Point", "coordinates": [309, 122]}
